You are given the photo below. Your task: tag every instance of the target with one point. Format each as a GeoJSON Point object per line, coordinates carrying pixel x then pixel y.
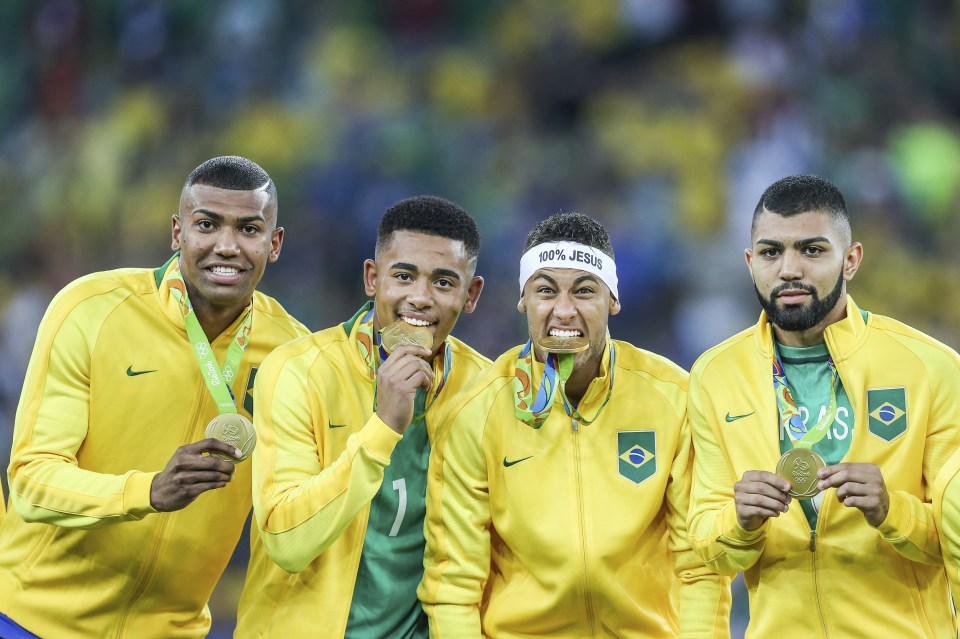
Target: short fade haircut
{"type": "Point", "coordinates": [570, 227]}
{"type": "Point", "coordinates": [798, 194]}
{"type": "Point", "coordinates": [430, 215]}
{"type": "Point", "coordinates": [233, 173]}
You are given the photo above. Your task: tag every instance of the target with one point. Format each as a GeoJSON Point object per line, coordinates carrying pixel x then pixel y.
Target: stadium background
{"type": "Point", "coordinates": [665, 119]}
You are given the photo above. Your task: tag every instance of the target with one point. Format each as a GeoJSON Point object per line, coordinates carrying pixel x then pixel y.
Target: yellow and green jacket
{"type": "Point", "coordinates": [946, 508]}
{"type": "Point", "coordinates": [112, 390]}
{"type": "Point", "coordinates": [568, 531]}
{"type": "Point", "coordinates": [319, 462]}
{"type": "Point", "coordinates": [846, 578]}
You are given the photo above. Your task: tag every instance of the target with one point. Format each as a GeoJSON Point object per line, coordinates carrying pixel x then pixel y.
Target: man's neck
{"type": "Point", "coordinates": [214, 320]}
{"type": "Point", "coordinates": [580, 379]}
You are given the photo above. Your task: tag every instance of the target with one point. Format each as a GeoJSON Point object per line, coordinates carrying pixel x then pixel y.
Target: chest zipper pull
{"type": "Point", "coordinates": [575, 425]}
{"type": "Point", "coordinates": [813, 540]}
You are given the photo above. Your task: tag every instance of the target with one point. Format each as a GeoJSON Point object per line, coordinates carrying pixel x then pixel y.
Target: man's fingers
{"type": "Point", "coordinates": [762, 496]}
{"type": "Point", "coordinates": [747, 512]}
{"type": "Point", "coordinates": [748, 490]}
{"type": "Point", "coordinates": [204, 477]}
{"type": "Point", "coordinates": [211, 445]}
{"type": "Point", "coordinates": [411, 371]}
{"type": "Point", "coordinates": [766, 477]}
{"type": "Point", "coordinates": [848, 473]}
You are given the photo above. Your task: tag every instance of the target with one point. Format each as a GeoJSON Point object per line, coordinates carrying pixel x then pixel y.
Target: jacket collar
{"type": "Point", "coordinates": [842, 337]}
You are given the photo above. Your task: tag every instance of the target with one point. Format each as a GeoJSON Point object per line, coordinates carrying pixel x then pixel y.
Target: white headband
{"type": "Point", "coordinates": [569, 255]}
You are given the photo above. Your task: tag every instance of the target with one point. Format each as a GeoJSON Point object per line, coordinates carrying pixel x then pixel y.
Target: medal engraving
{"type": "Point", "coordinates": [799, 466]}
{"type": "Point", "coordinates": [233, 429]}
{"type": "Point", "coordinates": [400, 333]}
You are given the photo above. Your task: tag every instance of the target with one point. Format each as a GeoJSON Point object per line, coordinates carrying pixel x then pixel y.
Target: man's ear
{"type": "Point", "coordinates": [175, 233]}
{"type": "Point", "coordinates": [473, 294]}
{"type": "Point", "coordinates": [370, 277]}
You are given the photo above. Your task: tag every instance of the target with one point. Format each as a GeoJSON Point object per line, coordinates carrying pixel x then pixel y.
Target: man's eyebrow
{"type": "Point", "coordinates": [552, 281]}
{"type": "Point", "coordinates": [445, 272]}
{"type": "Point", "coordinates": [405, 266]}
{"type": "Point", "coordinates": [219, 218]}
{"type": "Point", "coordinates": [799, 244]}
{"type": "Point", "coordinates": [813, 240]}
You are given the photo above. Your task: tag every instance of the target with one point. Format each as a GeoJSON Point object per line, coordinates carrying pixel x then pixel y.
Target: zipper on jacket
{"type": "Point", "coordinates": [816, 581]}
{"type": "Point", "coordinates": [146, 574]}
{"type": "Point", "coordinates": [581, 520]}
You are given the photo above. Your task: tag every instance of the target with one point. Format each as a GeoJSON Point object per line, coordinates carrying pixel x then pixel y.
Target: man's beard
{"type": "Point", "coordinates": [801, 317]}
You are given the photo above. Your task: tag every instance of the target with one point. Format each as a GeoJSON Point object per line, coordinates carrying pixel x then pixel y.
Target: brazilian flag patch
{"type": "Point", "coordinates": [637, 452]}
{"type": "Point", "coordinates": [248, 393]}
{"type": "Point", "coordinates": [887, 412]}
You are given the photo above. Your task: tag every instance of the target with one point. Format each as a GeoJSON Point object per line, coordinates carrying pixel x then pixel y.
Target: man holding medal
{"type": "Point", "coordinates": [837, 538]}
{"type": "Point", "coordinates": [110, 447]}
{"type": "Point", "coordinates": [346, 419]}
{"type": "Point", "coordinates": [558, 495]}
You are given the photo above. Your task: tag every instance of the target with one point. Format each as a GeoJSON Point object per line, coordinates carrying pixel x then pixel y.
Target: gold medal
{"type": "Point", "coordinates": [400, 333]}
{"type": "Point", "coordinates": [563, 345]}
{"type": "Point", "coordinates": [799, 466]}
{"type": "Point", "coordinates": [233, 429]}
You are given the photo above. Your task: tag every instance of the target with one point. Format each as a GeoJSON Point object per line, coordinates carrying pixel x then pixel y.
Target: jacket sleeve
{"type": "Point", "coordinates": [457, 558]}
{"type": "Point", "coordinates": [46, 483]}
{"type": "Point", "coordinates": [704, 595]}
{"type": "Point", "coordinates": [715, 533]}
{"type": "Point", "coordinates": [946, 505]}
{"type": "Point", "coordinates": [303, 502]}
{"type": "Point", "coordinates": [910, 526]}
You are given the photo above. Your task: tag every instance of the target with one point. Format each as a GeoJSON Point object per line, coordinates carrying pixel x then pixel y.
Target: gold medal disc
{"type": "Point", "coordinates": [563, 345]}
{"type": "Point", "coordinates": [400, 333]}
{"type": "Point", "coordinates": [236, 430]}
{"type": "Point", "coordinates": [799, 466]}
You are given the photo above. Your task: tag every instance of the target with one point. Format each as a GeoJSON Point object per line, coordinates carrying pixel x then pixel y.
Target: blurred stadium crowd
{"type": "Point", "coordinates": [664, 119]}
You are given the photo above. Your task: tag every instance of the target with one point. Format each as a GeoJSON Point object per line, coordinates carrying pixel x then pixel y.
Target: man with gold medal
{"type": "Point", "coordinates": [346, 419]}
{"type": "Point", "coordinates": [817, 436]}
{"type": "Point", "coordinates": [136, 404]}
{"type": "Point", "coordinates": [558, 492]}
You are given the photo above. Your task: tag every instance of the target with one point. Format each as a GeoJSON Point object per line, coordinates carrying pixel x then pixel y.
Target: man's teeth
{"type": "Point", "coordinates": [415, 322]}
{"type": "Point", "coordinates": [225, 270]}
{"type": "Point", "coordinates": [556, 332]}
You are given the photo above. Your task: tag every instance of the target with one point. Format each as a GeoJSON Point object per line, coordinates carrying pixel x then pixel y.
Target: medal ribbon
{"type": "Point", "coordinates": [373, 354]}
{"type": "Point", "coordinates": [790, 418]}
{"type": "Point", "coordinates": [218, 380]}
{"type": "Point", "coordinates": [556, 370]}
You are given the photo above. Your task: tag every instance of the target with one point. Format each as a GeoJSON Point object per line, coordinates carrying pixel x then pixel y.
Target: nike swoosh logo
{"type": "Point", "coordinates": [133, 373]}
{"type": "Point", "coordinates": [337, 425]}
{"type": "Point", "coordinates": [508, 464]}
{"type": "Point", "coordinates": [733, 418]}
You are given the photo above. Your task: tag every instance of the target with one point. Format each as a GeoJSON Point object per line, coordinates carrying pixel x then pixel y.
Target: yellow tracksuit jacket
{"type": "Point", "coordinates": [558, 531]}
{"type": "Point", "coordinates": [847, 578]}
{"type": "Point", "coordinates": [113, 388]}
{"type": "Point", "coordinates": [318, 464]}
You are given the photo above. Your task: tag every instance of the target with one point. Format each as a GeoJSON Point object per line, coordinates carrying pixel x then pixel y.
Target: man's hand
{"type": "Point", "coordinates": [397, 382]}
{"type": "Point", "coordinates": [760, 495]}
{"type": "Point", "coordinates": [858, 486]}
{"type": "Point", "coordinates": [189, 473]}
